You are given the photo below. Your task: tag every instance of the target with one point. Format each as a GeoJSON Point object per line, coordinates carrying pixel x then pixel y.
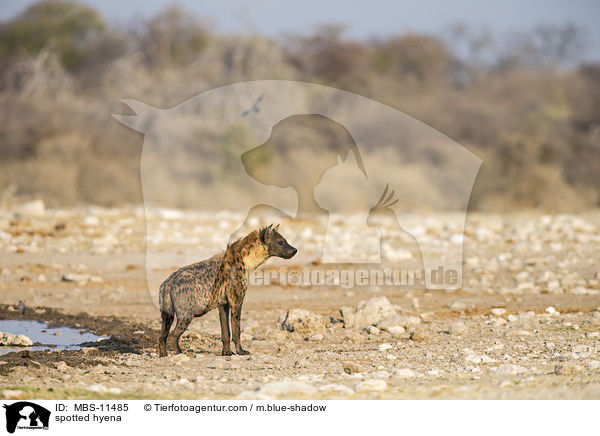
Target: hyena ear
{"type": "Point", "coordinates": [276, 229]}
{"type": "Point", "coordinates": [263, 234]}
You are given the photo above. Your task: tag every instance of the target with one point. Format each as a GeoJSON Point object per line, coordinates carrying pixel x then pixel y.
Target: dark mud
{"type": "Point", "coordinates": [123, 337]}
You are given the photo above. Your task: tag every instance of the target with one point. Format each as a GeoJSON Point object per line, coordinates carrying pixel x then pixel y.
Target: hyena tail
{"type": "Point", "coordinates": [165, 302]}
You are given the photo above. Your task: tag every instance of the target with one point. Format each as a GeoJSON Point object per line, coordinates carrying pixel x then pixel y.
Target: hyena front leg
{"type": "Point", "coordinates": [236, 315]}
{"type": "Point", "coordinates": [225, 337]}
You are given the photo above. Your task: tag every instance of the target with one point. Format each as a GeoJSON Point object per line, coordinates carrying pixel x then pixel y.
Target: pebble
{"type": "Point", "coordinates": [419, 335]}
{"type": "Point", "coordinates": [316, 337]}
{"type": "Point", "coordinates": [353, 368]}
{"type": "Point", "coordinates": [384, 346]}
{"type": "Point", "coordinates": [80, 279]}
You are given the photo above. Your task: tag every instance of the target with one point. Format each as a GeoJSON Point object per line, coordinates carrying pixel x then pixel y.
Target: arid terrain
{"type": "Point", "coordinates": [524, 324]}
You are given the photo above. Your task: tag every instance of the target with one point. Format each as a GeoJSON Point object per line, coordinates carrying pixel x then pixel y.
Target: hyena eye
{"type": "Point", "coordinates": [280, 242]}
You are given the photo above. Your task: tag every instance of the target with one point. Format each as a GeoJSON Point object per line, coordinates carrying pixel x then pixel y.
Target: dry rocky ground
{"type": "Point", "coordinates": [525, 323]}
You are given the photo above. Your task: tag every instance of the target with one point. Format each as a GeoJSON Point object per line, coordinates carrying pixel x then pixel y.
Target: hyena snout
{"type": "Point", "coordinates": [282, 249]}
{"type": "Point", "coordinates": [289, 252]}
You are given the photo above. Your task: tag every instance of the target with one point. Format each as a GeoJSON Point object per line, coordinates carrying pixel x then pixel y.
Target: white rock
{"type": "Point", "coordinates": [337, 388]}
{"type": "Point", "coordinates": [367, 313]}
{"type": "Point", "coordinates": [179, 358]}
{"type": "Point", "coordinates": [61, 366]}
{"type": "Point", "coordinates": [553, 285]}
{"type": "Point", "coordinates": [384, 347]}
{"type": "Point", "coordinates": [404, 373]}
{"type": "Point", "coordinates": [473, 358]}
{"type": "Point", "coordinates": [31, 208]}
{"type": "Point", "coordinates": [593, 365]}
{"type": "Point", "coordinates": [12, 394]}
{"type": "Point", "coordinates": [497, 322]}
{"type": "Point", "coordinates": [498, 311]}
{"type": "Point", "coordinates": [579, 349]}
{"type": "Point", "coordinates": [302, 322]}
{"type": "Point", "coordinates": [371, 385]}
{"type": "Point", "coordinates": [8, 339]}
{"type": "Point", "coordinates": [508, 369]}
{"type": "Point", "coordinates": [458, 327]}
{"type": "Point", "coordinates": [522, 276]}
{"type": "Point", "coordinates": [278, 388]}
{"type": "Point", "coordinates": [456, 238]}
{"type": "Point", "coordinates": [316, 337]}
{"type": "Point", "coordinates": [415, 303]}
{"type": "Point", "coordinates": [458, 306]}
{"type": "Point", "coordinates": [91, 221]}
{"type": "Point", "coordinates": [97, 388]}
{"type": "Point", "coordinates": [372, 330]}
{"type": "Point", "coordinates": [395, 330]}
{"type": "Point", "coordinates": [22, 341]}
{"type": "Point", "coordinates": [552, 311]}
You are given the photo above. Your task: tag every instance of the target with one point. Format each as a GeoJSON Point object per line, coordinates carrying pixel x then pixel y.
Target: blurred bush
{"type": "Point", "coordinates": [526, 105]}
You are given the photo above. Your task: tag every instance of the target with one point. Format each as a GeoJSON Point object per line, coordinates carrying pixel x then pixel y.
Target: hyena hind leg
{"type": "Point", "coordinates": [182, 325]}
{"type": "Point", "coordinates": [167, 320]}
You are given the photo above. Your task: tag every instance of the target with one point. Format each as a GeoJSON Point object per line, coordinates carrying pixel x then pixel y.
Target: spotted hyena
{"type": "Point", "coordinates": [220, 281]}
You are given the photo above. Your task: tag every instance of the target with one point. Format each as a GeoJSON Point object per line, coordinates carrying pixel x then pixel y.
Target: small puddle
{"type": "Point", "coordinates": [50, 338]}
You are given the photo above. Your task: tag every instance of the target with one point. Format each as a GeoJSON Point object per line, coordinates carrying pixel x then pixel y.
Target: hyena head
{"type": "Point", "coordinates": [275, 243]}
